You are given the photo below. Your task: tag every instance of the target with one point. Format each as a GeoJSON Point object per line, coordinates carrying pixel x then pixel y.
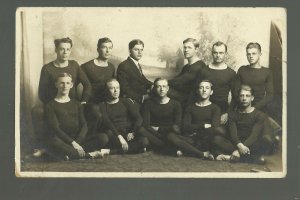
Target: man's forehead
{"type": "Point", "coordinates": [112, 83]}
{"type": "Point", "coordinates": [162, 82]}
{"type": "Point", "coordinates": [205, 83]}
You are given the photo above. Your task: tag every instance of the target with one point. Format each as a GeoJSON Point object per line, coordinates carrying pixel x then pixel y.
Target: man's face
{"type": "Point", "coordinates": [137, 52]}
{"type": "Point", "coordinates": [63, 85]}
{"type": "Point", "coordinates": [104, 51]}
{"type": "Point", "coordinates": [219, 53]}
{"type": "Point", "coordinates": [205, 90]}
{"type": "Point", "coordinates": [245, 98]}
{"type": "Point", "coordinates": [253, 55]}
{"type": "Point", "coordinates": [63, 51]}
{"type": "Point", "coordinates": [114, 89]}
{"type": "Point", "coordinates": [189, 50]}
{"type": "Point", "coordinates": [162, 88]}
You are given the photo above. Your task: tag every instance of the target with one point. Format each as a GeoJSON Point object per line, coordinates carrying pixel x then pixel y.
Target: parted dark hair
{"type": "Point", "coordinates": [62, 40]}
{"type": "Point", "coordinates": [205, 80]}
{"type": "Point", "coordinates": [194, 41]}
{"type": "Point", "coordinates": [103, 40]}
{"type": "Point", "coordinates": [159, 79]}
{"type": "Point", "coordinates": [253, 45]}
{"type": "Point", "coordinates": [61, 75]}
{"type": "Point", "coordinates": [247, 88]}
{"type": "Point", "coordinates": [134, 42]}
{"type": "Point", "coordinates": [219, 43]}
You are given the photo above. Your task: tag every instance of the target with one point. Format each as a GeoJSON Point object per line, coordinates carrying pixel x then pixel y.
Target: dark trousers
{"type": "Point", "coordinates": [136, 145]}
{"type": "Point", "coordinates": [58, 148]}
{"type": "Point", "coordinates": [93, 117]}
{"type": "Point", "coordinates": [166, 138]}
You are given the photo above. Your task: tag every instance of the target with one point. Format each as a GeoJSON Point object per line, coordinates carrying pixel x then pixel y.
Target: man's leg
{"type": "Point", "coordinates": [137, 144]}
{"type": "Point", "coordinates": [95, 142]}
{"type": "Point", "coordinates": [153, 137]}
{"type": "Point", "coordinates": [59, 149]}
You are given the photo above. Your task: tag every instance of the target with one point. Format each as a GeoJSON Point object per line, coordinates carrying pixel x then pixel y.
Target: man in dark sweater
{"type": "Point", "coordinates": [222, 77]}
{"type": "Point", "coordinates": [247, 141]}
{"type": "Point", "coordinates": [256, 76]}
{"type": "Point", "coordinates": [182, 85]}
{"type": "Point", "coordinates": [122, 122]}
{"type": "Point", "coordinates": [202, 118]}
{"type": "Point", "coordinates": [67, 127]}
{"type": "Point", "coordinates": [98, 71]}
{"type": "Point", "coordinates": [47, 90]}
{"type": "Point", "coordinates": [133, 82]}
{"type": "Point", "coordinates": [162, 119]}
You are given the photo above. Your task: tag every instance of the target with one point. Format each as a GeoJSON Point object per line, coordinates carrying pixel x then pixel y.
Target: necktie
{"type": "Point", "coordinates": [140, 68]}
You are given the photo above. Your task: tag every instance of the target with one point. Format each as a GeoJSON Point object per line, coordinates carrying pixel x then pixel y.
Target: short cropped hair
{"type": "Point", "coordinates": [103, 40]}
{"type": "Point", "coordinates": [61, 75]}
{"type": "Point", "coordinates": [111, 80]}
{"type": "Point", "coordinates": [253, 45]}
{"type": "Point", "coordinates": [247, 88]}
{"type": "Point", "coordinates": [194, 41]}
{"type": "Point", "coordinates": [159, 79]}
{"type": "Point", "coordinates": [62, 40]}
{"type": "Point", "coordinates": [206, 80]}
{"type": "Point", "coordinates": [134, 42]}
{"type": "Point", "coordinates": [219, 43]}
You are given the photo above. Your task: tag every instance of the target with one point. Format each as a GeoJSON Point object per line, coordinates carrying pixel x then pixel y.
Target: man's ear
{"type": "Point", "coordinates": [211, 92]}
{"type": "Point", "coordinates": [72, 84]}
{"type": "Point", "coordinates": [252, 97]}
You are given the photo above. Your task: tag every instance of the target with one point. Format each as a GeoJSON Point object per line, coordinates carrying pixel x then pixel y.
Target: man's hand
{"type": "Point", "coordinates": [155, 128]}
{"type": "Point", "coordinates": [83, 102]}
{"type": "Point", "coordinates": [235, 155]}
{"type": "Point", "coordinates": [207, 125]}
{"type": "Point", "coordinates": [176, 129]}
{"type": "Point", "coordinates": [123, 142]}
{"type": "Point", "coordinates": [224, 118]}
{"type": "Point", "coordinates": [79, 149]}
{"type": "Point", "coordinates": [243, 149]}
{"type": "Point", "coordinates": [130, 136]}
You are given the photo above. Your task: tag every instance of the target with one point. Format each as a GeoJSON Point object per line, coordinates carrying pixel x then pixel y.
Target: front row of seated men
{"type": "Point", "coordinates": [160, 127]}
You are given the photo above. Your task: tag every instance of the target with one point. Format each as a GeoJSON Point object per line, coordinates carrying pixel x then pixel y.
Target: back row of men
{"type": "Point", "coordinates": [115, 125]}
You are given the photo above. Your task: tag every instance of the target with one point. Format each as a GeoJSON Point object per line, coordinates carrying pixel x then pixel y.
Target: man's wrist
{"type": "Point", "coordinates": [240, 145]}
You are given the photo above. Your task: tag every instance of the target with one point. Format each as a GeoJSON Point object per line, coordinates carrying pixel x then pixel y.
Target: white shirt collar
{"type": "Point", "coordinates": [223, 66]}
{"type": "Point", "coordinates": [135, 62]}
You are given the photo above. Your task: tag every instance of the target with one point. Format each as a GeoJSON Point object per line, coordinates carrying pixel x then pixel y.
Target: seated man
{"type": "Point", "coordinates": [202, 118]}
{"type": "Point", "coordinates": [162, 119]}
{"type": "Point", "coordinates": [98, 71]}
{"type": "Point", "coordinates": [133, 82]}
{"type": "Point", "coordinates": [182, 84]}
{"type": "Point", "coordinates": [67, 127]}
{"type": "Point", "coordinates": [247, 141]}
{"type": "Point", "coordinates": [122, 122]}
{"type": "Point", "coordinates": [47, 90]}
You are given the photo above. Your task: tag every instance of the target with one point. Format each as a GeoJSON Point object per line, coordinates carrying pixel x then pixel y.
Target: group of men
{"type": "Point", "coordinates": [124, 112]}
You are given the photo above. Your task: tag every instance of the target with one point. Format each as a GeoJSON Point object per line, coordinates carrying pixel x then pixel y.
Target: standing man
{"type": "Point", "coordinates": [98, 71]}
{"type": "Point", "coordinates": [122, 122]}
{"type": "Point", "coordinates": [256, 76]}
{"type": "Point", "coordinates": [162, 119]}
{"type": "Point", "coordinates": [247, 138]}
{"type": "Point", "coordinates": [133, 83]}
{"type": "Point", "coordinates": [182, 84]}
{"type": "Point", "coordinates": [222, 77]}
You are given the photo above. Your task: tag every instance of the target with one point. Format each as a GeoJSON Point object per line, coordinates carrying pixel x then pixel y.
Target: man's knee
{"type": "Point", "coordinates": [216, 140]}
{"type": "Point", "coordinates": [143, 141]}
{"type": "Point", "coordinates": [103, 139]}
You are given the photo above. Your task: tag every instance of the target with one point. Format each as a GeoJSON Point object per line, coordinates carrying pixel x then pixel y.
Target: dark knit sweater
{"type": "Point", "coordinates": [246, 127]}
{"type": "Point", "coordinates": [121, 117]}
{"type": "Point", "coordinates": [185, 81]}
{"type": "Point", "coordinates": [47, 89]}
{"type": "Point", "coordinates": [261, 81]}
{"type": "Point", "coordinates": [66, 120]}
{"type": "Point", "coordinates": [160, 115]}
{"type": "Point", "coordinates": [223, 82]}
{"type": "Point", "coordinates": [195, 117]}
{"type": "Point", "coordinates": [98, 76]}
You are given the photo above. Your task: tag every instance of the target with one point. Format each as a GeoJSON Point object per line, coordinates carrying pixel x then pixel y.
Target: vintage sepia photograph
{"type": "Point", "coordinates": [181, 92]}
